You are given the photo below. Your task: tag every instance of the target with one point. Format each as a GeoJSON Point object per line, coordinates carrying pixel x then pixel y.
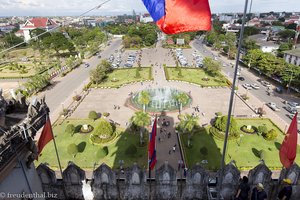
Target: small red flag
{"type": "Point", "coordinates": [46, 136]}
{"type": "Point", "coordinates": [288, 147]}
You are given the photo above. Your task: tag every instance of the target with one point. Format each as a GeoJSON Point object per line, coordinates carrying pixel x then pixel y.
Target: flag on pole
{"type": "Point", "coordinates": [177, 16]}
{"type": "Point", "coordinates": [46, 136]}
{"type": "Point", "coordinates": [152, 146]}
{"type": "Point", "coordinates": [288, 147]}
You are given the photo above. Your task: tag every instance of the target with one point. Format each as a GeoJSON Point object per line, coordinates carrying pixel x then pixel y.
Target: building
{"type": "Point", "coordinates": [146, 18]}
{"type": "Point", "coordinates": [253, 22]}
{"type": "Point", "coordinates": [265, 46]}
{"type": "Point", "coordinates": [292, 56]}
{"type": "Point", "coordinates": [34, 23]}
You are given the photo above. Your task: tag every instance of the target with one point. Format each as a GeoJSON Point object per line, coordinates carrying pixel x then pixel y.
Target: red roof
{"type": "Point", "coordinates": [39, 23]}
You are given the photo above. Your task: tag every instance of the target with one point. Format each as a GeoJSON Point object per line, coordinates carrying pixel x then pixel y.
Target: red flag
{"type": "Point", "coordinates": [288, 147]}
{"type": "Point", "coordinates": [151, 146]}
{"type": "Point", "coordinates": [46, 136]}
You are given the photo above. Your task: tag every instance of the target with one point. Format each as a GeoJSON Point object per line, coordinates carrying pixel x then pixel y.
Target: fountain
{"type": "Point", "coordinates": [161, 99]}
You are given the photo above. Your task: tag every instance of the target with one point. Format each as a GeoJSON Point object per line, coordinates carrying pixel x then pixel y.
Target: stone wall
{"type": "Point", "coordinates": [198, 184]}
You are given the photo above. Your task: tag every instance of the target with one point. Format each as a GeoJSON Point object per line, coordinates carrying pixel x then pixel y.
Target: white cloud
{"type": "Point", "coordinates": [76, 7]}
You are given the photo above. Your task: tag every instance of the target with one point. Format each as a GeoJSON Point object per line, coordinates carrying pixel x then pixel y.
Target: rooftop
{"type": "Point", "coordinates": [294, 52]}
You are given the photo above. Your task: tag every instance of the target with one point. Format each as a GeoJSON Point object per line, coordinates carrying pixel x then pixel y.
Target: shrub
{"type": "Point", "coordinates": [203, 151]}
{"type": "Point", "coordinates": [270, 135]}
{"type": "Point", "coordinates": [76, 98]}
{"type": "Point", "coordinates": [72, 149]}
{"type": "Point", "coordinates": [219, 114]}
{"type": "Point", "coordinates": [70, 129]}
{"type": "Point", "coordinates": [93, 115]}
{"type": "Point", "coordinates": [103, 129]}
{"type": "Point", "coordinates": [181, 117]}
{"type": "Point", "coordinates": [97, 140]}
{"type": "Point", "coordinates": [246, 130]}
{"type": "Point", "coordinates": [219, 135]}
{"type": "Point", "coordinates": [131, 150]}
{"type": "Point", "coordinates": [102, 152]}
{"type": "Point", "coordinates": [105, 114]}
{"type": "Point", "coordinates": [221, 122]}
{"type": "Point", "coordinates": [245, 97]}
{"type": "Point", "coordinates": [262, 129]}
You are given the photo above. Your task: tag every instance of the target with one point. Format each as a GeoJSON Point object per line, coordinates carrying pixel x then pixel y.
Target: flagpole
{"type": "Point", "coordinates": [57, 156]}
{"type": "Point", "coordinates": [232, 96]}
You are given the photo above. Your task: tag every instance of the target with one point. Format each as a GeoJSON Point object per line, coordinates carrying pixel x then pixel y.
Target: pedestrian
{"type": "Point", "coordinates": [243, 191]}
{"type": "Point", "coordinates": [170, 152]}
{"type": "Point", "coordinates": [174, 149]}
{"type": "Point", "coordinates": [169, 135]}
{"type": "Point", "coordinates": [159, 139]}
{"type": "Point", "coordinates": [179, 165]}
{"type": "Point", "coordinates": [286, 192]}
{"type": "Point", "coordinates": [185, 171]}
{"type": "Point", "coordinates": [258, 193]}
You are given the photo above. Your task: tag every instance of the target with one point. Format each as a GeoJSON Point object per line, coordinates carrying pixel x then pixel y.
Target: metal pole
{"type": "Point", "coordinates": [232, 97]}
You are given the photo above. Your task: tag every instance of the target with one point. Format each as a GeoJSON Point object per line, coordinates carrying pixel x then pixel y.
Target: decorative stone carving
{"type": "Point", "coordinates": [166, 185]}
{"type": "Point", "coordinates": [3, 105]}
{"type": "Point", "coordinates": [196, 183]}
{"type": "Point", "coordinates": [230, 180]}
{"type": "Point", "coordinates": [260, 174]}
{"type": "Point", "coordinates": [292, 173]}
{"type": "Point", "coordinates": [135, 183]}
{"type": "Point", "coordinates": [72, 179]}
{"type": "Point", "coordinates": [104, 185]}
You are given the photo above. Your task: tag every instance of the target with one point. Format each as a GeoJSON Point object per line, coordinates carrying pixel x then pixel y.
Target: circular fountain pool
{"type": "Point", "coordinates": [161, 99]}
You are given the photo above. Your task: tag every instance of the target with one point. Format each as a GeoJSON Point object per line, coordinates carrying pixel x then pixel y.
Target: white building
{"type": "Point", "coordinates": [146, 18]}
{"type": "Point", "coordinates": [292, 56]}
{"type": "Point", "coordinates": [34, 23]}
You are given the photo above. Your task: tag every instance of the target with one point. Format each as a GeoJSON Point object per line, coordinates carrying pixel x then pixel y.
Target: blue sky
{"type": "Point", "coordinates": [76, 7]}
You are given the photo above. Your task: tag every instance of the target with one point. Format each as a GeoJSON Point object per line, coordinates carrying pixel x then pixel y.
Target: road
{"type": "Point", "coordinates": [64, 87]}
{"type": "Point", "coordinates": [250, 78]}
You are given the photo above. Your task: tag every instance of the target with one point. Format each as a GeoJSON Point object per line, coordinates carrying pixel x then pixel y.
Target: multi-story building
{"type": "Point", "coordinates": [292, 56]}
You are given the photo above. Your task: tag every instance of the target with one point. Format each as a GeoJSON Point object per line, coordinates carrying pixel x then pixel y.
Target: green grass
{"type": "Point", "coordinates": [125, 76]}
{"type": "Point", "coordinates": [195, 75]}
{"type": "Point", "coordinates": [245, 154]}
{"type": "Point", "coordinates": [87, 158]}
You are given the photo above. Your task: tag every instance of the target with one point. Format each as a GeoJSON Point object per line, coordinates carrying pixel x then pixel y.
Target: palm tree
{"type": "Point", "coordinates": [144, 98]}
{"type": "Point", "coordinates": [141, 119]}
{"type": "Point", "coordinates": [188, 124]}
{"type": "Point", "coordinates": [181, 98]}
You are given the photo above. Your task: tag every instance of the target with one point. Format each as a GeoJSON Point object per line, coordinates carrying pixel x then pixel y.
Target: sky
{"type": "Point", "coordinates": [115, 7]}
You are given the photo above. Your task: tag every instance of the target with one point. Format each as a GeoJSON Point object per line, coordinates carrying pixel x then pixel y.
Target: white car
{"type": "Point", "coordinates": [273, 106]}
{"type": "Point", "coordinates": [247, 86]}
{"type": "Point", "coordinates": [266, 83]}
{"type": "Point", "coordinates": [255, 86]}
{"type": "Point", "coordinates": [294, 104]}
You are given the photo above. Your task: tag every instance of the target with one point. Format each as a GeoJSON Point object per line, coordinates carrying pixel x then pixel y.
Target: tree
{"type": "Point", "coordinates": [287, 34]}
{"type": "Point", "coordinates": [58, 42]}
{"type": "Point", "coordinates": [144, 99]}
{"type": "Point", "coordinates": [203, 151]}
{"type": "Point", "coordinates": [102, 152]}
{"type": "Point", "coordinates": [250, 44]}
{"type": "Point", "coordinates": [72, 149]}
{"type": "Point", "coordinates": [284, 47]}
{"type": "Point", "coordinates": [10, 40]}
{"type": "Point", "coordinates": [292, 26]}
{"type": "Point", "coordinates": [270, 135]}
{"type": "Point", "coordinates": [211, 66]}
{"type": "Point", "coordinates": [187, 125]}
{"type": "Point", "coordinates": [70, 129]}
{"type": "Point", "coordinates": [221, 123]}
{"type": "Point", "coordinates": [141, 120]}
{"type": "Point", "coordinates": [103, 129]}
{"type": "Point", "coordinates": [250, 30]}
{"type": "Point", "coordinates": [262, 129]}
{"type": "Point", "coordinates": [93, 115]}
{"type": "Point", "coordinates": [181, 98]}
{"type": "Point", "coordinates": [97, 75]}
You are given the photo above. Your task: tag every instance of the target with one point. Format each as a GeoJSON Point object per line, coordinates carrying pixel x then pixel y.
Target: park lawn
{"type": "Point", "coordinates": [125, 76]}
{"type": "Point", "coordinates": [86, 159]}
{"type": "Point", "coordinates": [244, 151]}
{"type": "Point", "coordinates": [195, 75]}
{"type": "Point", "coordinates": [6, 72]}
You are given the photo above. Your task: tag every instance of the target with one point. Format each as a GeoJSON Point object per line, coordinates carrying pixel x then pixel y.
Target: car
{"type": "Point", "coordinates": [86, 65]}
{"type": "Point", "coordinates": [247, 86]}
{"type": "Point", "coordinates": [294, 104]}
{"type": "Point", "coordinates": [273, 106]}
{"type": "Point", "coordinates": [291, 109]}
{"type": "Point", "coordinates": [255, 86]}
{"type": "Point", "coordinates": [224, 65]}
{"type": "Point", "coordinates": [266, 83]}
{"type": "Point", "coordinates": [128, 64]}
{"type": "Point", "coordinates": [114, 65]}
{"type": "Point", "coordinates": [241, 78]}
{"type": "Point", "coordinates": [291, 116]}
{"type": "Point", "coordinates": [99, 56]}
{"type": "Point", "coordinates": [279, 89]}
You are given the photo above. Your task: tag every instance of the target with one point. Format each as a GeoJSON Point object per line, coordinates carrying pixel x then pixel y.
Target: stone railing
{"type": "Point", "coordinates": [134, 184]}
